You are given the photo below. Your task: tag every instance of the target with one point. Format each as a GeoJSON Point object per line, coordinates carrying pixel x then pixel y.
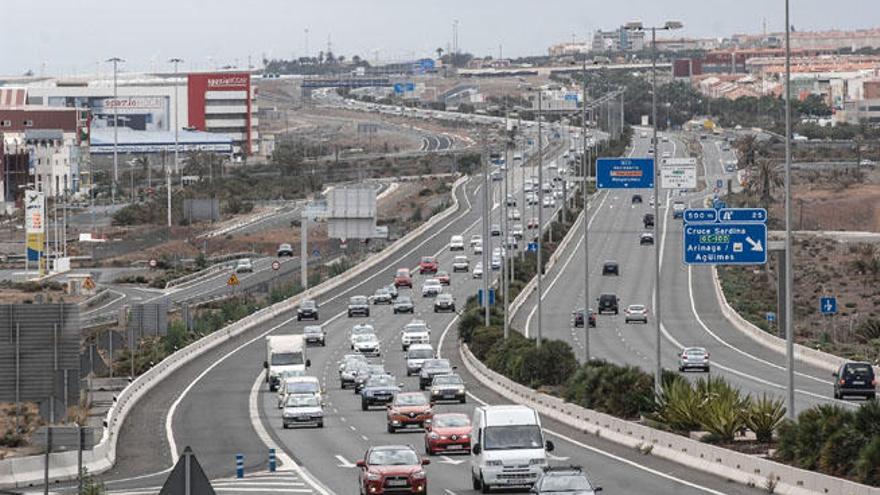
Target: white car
{"type": "Point", "coordinates": [244, 265]}
{"type": "Point", "coordinates": [496, 262]}
{"type": "Point", "coordinates": [476, 239]}
{"type": "Point", "coordinates": [366, 344]}
{"type": "Point", "coordinates": [478, 248]}
{"type": "Point", "coordinates": [636, 313]}
{"type": "Point", "coordinates": [514, 214]}
{"type": "Point", "coordinates": [549, 202]}
{"type": "Point", "coordinates": [499, 251]}
{"type": "Point", "coordinates": [456, 243]}
{"type": "Point", "coordinates": [517, 230]}
{"type": "Point", "coordinates": [360, 330]}
{"type": "Point", "coordinates": [415, 332]}
{"type": "Point", "coordinates": [299, 385]}
{"type": "Point", "coordinates": [460, 264]}
{"type": "Point", "coordinates": [478, 270]}
{"type": "Point", "coordinates": [431, 287]}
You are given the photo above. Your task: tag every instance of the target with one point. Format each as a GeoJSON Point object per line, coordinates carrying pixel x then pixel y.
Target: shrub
{"type": "Point", "coordinates": [678, 406]}
{"type": "Point", "coordinates": [764, 417]}
{"type": "Point", "coordinates": [801, 442]}
{"type": "Point", "coordinates": [551, 364]}
{"type": "Point", "coordinates": [867, 466]}
{"type": "Point", "coordinates": [622, 391]}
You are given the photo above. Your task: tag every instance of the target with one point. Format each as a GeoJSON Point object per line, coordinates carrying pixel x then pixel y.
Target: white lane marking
{"type": "Point", "coordinates": [352, 428]}
{"type": "Point", "coordinates": [364, 438]}
{"type": "Point", "coordinates": [263, 490]}
{"type": "Point", "coordinates": [449, 460]}
{"type": "Point", "coordinates": [344, 463]}
{"type": "Point", "coordinates": [122, 296]}
{"type": "Point", "coordinates": [447, 491]}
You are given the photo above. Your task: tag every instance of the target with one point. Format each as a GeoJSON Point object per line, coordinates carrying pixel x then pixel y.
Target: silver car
{"type": "Point", "coordinates": [694, 357]}
{"type": "Point", "coordinates": [302, 410]}
{"type": "Point", "coordinates": [636, 313]}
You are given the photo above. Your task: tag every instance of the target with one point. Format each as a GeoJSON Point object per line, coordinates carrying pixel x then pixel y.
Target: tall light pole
{"type": "Point", "coordinates": [789, 333]}
{"type": "Point", "coordinates": [540, 273]}
{"type": "Point", "coordinates": [585, 159]}
{"type": "Point", "coordinates": [176, 62]}
{"type": "Point", "coordinates": [115, 61]}
{"type": "Point", "coordinates": [668, 26]}
{"type": "Point", "coordinates": [487, 245]}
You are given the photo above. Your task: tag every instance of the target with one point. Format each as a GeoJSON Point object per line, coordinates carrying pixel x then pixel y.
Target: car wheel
{"type": "Point", "coordinates": [463, 399]}
{"type": "Point", "coordinates": [475, 482]}
{"type": "Point", "coordinates": [283, 426]}
{"type": "Point", "coordinates": [368, 314]}
{"type": "Point", "coordinates": [364, 405]}
{"type": "Point", "coordinates": [681, 369]}
{"type": "Point", "coordinates": [391, 429]}
{"type": "Point", "coordinates": [421, 386]}
{"type": "Point", "coordinates": [428, 450]}
{"type": "Point", "coordinates": [320, 424]}
{"type": "Point", "coordinates": [484, 488]}
{"type": "Point", "coordinates": [349, 314]}
{"type": "Point", "coordinates": [872, 396]}
{"type": "Point", "coordinates": [836, 395]}
{"type": "Point", "coordinates": [323, 343]}
{"type": "Point", "coordinates": [298, 318]}
{"type": "Point", "coordinates": [435, 310]}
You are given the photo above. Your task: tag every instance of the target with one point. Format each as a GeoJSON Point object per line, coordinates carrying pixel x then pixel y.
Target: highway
{"type": "Point", "coordinates": [691, 315]}
{"type": "Point", "coordinates": [216, 403]}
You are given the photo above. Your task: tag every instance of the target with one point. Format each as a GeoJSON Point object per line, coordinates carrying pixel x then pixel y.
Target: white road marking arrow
{"type": "Point", "coordinates": [756, 246]}
{"type": "Point", "coordinates": [557, 458]}
{"type": "Point", "coordinates": [449, 460]}
{"type": "Point", "coordinates": [345, 463]}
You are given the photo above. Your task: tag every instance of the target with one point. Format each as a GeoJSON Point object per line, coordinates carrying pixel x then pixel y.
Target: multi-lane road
{"type": "Point", "coordinates": [218, 404]}
{"type": "Point", "coordinates": [690, 310]}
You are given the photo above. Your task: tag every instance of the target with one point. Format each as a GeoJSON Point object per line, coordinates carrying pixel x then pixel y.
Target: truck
{"type": "Point", "coordinates": [507, 447]}
{"type": "Point", "coordinates": [284, 353]}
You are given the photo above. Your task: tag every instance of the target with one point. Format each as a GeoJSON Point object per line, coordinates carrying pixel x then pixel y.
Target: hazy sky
{"type": "Point", "coordinates": [71, 36]}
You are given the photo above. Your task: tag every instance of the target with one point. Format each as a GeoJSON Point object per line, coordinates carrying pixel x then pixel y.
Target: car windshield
{"type": "Point", "coordinates": [436, 364]}
{"type": "Point", "coordinates": [461, 259]}
{"type": "Point", "coordinates": [565, 483]}
{"type": "Point", "coordinates": [289, 373]}
{"type": "Point", "coordinates": [637, 308]}
{"type": "Point", "coordinates": [411, 400]}
{"type": "Point", "coordinates": [427, 259]}
{"type": "Point", "coordinates": [382, 292]}
{"type": "Point", "coordinates": [312, 330]}
{"type": "Point", "coordinates": [302, 388]}
{"type": "Point", "coordinates": [287, 358]}
{"type": "Point", "coordinates": [398, 457]}
{"type": "Point", "coordinates": [403, 273]}
{"type": "Point", "coordinates": [362, 329]}
{"type": "Point", "coordinates": [858, 370]}
{"type": "Point", "coordinates": [447, 380]}
{"type": "Point", "coordinates": [404, 300]}
{"type": "Point", "coordinates": [695, 352]}
{"type": "Point", "coordinates": [451, 421]}
{"type": "Point", "coordinates": [420, 354]}
{"type": "Point", "coordinates": [307, 305]}
{"type": "Point", "coordinates": [358, 300]}
{"type": "Point", "coordinates": [380, 381]}
{"type": "Point", "coordinates": [364, 337]}
{"type": "Point", "coordinates": [512, 437]}
{"type": "Point", "coordinates": [432, 282]}
{"type": "Point", "coordinates": [302, 401]}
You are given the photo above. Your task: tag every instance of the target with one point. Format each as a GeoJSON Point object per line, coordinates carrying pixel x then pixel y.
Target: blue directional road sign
{"type": "Point", "coordinates": [742, 215]}
{"type": "Point", "coordinates": [719, 183]}
{"type": "Point", "coordinates": [700, 215]}
{"type": "Point", "coordinates": [532, 247]}
{"type": "Point", "coordinates": [828, 305]}
{"type": "Point", "coordinates": [725, 244]}
{"type": "Point", "coordinates": [771, 316]}
{"type": "Point", "coordinates": [398, 88]}
{"type": "Point", "coordinates": [718, 204]}
{"type": "Point", "coordinates": [410, 87]}
{"type": "Point", "coordinates": [491, 297]}
{"type": "Point", "coordinates": [625, 173]}
{"type": "Point", "coordinates": [316, 253]}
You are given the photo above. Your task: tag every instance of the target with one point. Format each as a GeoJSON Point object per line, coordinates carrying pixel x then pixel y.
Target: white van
{"type": "Point", "coordinates": [284, 353]}
{"type": "Point", "coordinates": [456, 243]}
{"type": "Point", "coordinates": [415, 356]}
{"type": "Point", "coordinates": [508, 447]}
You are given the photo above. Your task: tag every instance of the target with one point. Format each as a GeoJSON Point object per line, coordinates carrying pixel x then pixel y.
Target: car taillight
{"type": "Point", "coordinates": [842, 381]}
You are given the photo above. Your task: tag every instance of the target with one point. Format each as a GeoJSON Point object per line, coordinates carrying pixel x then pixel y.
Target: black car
{"type": "Point", "coordinates": [648, 220]}
{"type": "Point", "coordinates": [444, 302]}
{"type": "Point", "coordinates": [565, 479]}
{"type": "Point", "coordinates": [610, 268]}
{"type": "Point", "coordinates": [308, 310]}
{"type": "Point", "coordinates": [404, 304]}
{"type": "Point", "coordinates": [432, 368]}
{"type": "Point", "coordinates": [378, 389]}
{"type": "Point", "coordinates": [314, 334]}
{"type": "Point", "coordinates": [608, 303]}
{"type": "Point", "coordinates": [855, 379]}
{"type": "Point", "coordinates": [637, 199]}
{"type": "Point", "coordinates": [577, 318]}
{"type": "Point", "coordinates": [358, 305]}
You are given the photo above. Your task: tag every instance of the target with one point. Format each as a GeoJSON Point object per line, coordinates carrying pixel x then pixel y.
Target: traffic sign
{"type": "Point", "coordinates": [398, 88]}
{"type": "Point", "coordinates": [718, 204]}
{"type": "Point", "coordinates": [725, 244]}
{"type": "Point", "coordinates": [491, 297]}
{"type": "Point", "coordinates": [719, 183]}
{"type": "Point", "coordinates": [828, 305]}
{"type": "Point", "coordinates": [743, 215]}
{"type": "Point", "coordinates": [154, 263]}
{"type": "Point", "coordinates": [316, 253]}
{"type": "Point", "coordinates": [771, 316]}
{"type": "Point", "coordinates": [88, 283]}
{"type": "Point", "coordinates": [410, 87]}
{"type": "Point", "coordinates": [532, 247]}
{"type": "Point", "coordinates": [678, 173]}
{"type": "Point", "coordinates": [276, 265]}
{"type": "Point", "coordinates": [233, 280]}
{"type": "Point", "coordinates": [625, 173]}
{"type": "Point", "coordinates": [700, 215]}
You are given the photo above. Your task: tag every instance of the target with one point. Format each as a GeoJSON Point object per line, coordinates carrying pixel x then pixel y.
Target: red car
{"type": "Point", "coordinates": [443, 277]}
{"type": "Point", "coordinates": [409, 409]}
{"type": "Point", "coordinates": [428, 265]}
{"type": "Point", "coordinates": [392, 469]}
{"type": "Point", "coordinates": [533, 223]}
{"type": "Point", "coordinates": [403, 278]}
{"type": "Point", "coordinates": [449, 432]}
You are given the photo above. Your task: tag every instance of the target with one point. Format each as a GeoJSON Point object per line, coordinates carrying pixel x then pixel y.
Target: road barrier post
{"type": "Point", "coordinates": [239, 466]}
{"type": "Point", "coordinates": [272, 460]}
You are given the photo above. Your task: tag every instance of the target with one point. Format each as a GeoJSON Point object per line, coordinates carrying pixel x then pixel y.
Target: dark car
{"type": "Point", "coordinates": [432, 368]}
{"type": "Point", "coordinates": [404, 304]}
{"type": "Point", "coordinates": [314, 334]}
{"type": "Point", "coordinates": [855, 379]}
{"type": "Point", "coordinates": [577, 318]}
{"type": "Point", "coordinates": [378, 389]}
{"type": "Point", "coordinates": [382, 296]}
{"type": "Point", "coordinates": [448, 387]}
{"type": "Point", "coordinates": [636, 199]}
{"type": "Point", "coordinates": [308, 310]}
{"type": "Point", "coordinates": [358, 305]}
{"type": "Point", "coordinates": [365, 373]}
{"type": "Point", "coordinates": [444, 302]}
{"type": "Point", "coordinates": [565, 479]}
{"type": "Point", "coordinates": [610, 268]}
{"type": "Point", "coordinates": [648, 220]}
{"type": "Point", "coordinates": [608, 303]}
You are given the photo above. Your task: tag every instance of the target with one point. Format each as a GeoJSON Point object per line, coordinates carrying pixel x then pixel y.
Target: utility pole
{"type": "Point", "coordinates": [115, 61]}
{"type": "Point", "coordinates": [487, 244]}
{"type": "Point", "coordinates": [176, 62]}
{"type": "Point", "coordinates": [304, 249]}
{"type": "Point", "coordinates": [585, 159]}
{"type": "Point", "coordinates": [789, 327]}
{"type": "Point", "coordinates": [540, 215]}
{"type": "Point", "coordinates": [505, 276]}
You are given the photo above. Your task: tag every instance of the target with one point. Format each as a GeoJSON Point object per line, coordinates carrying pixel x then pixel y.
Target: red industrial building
{"type": "Point", "coordinates": [225, 103]}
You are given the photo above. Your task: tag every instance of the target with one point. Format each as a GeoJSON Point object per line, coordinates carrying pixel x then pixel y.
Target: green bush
{"type": "Point", "coordinates": [678, 406]}
{"type": "Point", "coordinates": [622, 391]}
{"type": "Point", "coordinates": [764, 416]}
{"type": "Point", "coordinates": [867, 466]}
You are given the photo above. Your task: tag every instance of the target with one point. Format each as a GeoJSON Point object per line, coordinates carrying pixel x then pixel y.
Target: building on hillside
{"type": "Point", "coordinates": [571, 48]}
{"type": "Point", "coordinates": [686, 44]}
{"type": "Point", "coordinates": [863, 111]}
{"type": "Point", "coordinates": [812, 40]}
{"type": "Point", "coordinates": [619, 40]}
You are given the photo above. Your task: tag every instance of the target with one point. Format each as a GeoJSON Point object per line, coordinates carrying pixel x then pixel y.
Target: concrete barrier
{"type": "Point", "coordinates": [28, 471]}
{"type": "Point", "coordinates": [802, 353]}
{"type": "Point", "coordinates": [728, 464]}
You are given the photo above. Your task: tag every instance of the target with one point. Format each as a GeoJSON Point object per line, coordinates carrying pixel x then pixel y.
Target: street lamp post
{"type": "Point", "coordinates": [540, 273]}
{"type": "Point", "coordinates": [789, 333]}
{"type": "Point", "coordinates": [668, 26]}
{"type": "Point", "coordinates": [585, 159]}
{"type": "Point", "coordinates": [176, 62]}
{"type": "Point", "coordinates": [115, 61]}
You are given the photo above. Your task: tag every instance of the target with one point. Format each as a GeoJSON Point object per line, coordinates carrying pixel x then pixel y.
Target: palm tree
{"type": "Point", "coordinates": [747, 146]}
{"type": "Point", "coordinates": [764, 179]}
{"type": "Point", "coordinates": [439, 53]}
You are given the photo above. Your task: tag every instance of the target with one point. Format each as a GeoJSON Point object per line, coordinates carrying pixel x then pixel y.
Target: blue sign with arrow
{"type": "Point", "coordinates": [742, 215]}
{"type": "Point", "coordinates": [398, 88]}
{"type": "Point", "coordinates": [736, 236]}
{"type": "Point", "coordinates": [532, 247]}
{"type": "Point", "coordinates": [625, 173]}
{"type": "Point", "coordinates": [828, 305]}
{"type": "Point", "coordinates": [771, 316]}
{"type": "Point", "coordinates": [491, 297]}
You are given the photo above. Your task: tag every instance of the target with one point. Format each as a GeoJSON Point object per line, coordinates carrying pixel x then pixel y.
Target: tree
{"type": "Point", "coordinates": [765, 178]}
{"type": "Point", "coordinates": [747, 146]}
{"type": "Point", "coordinates": [439, 53]}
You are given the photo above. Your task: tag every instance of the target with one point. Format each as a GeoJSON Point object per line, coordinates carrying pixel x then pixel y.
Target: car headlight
{"type": "Point", "coordinates": [374, 476]}
{"type": "Point", "coordinates": [318, 414]}
{"type": "Point", "coordinates": [434, 436]}
{"type": "Point", "coordinates": [538, 462]}
{"type": "Point", "coordinates": [494, 463]}
{"type": "Point", "coordinates": [435, 392]}
{"type": "Point", "coordinates": [461, 390]}
{"type": "Point", "coordinates": [464, 437]}
{"type": "Point", "coordinates": [287, 415]}
{"type": "Point", "coordinates": [418, 475]}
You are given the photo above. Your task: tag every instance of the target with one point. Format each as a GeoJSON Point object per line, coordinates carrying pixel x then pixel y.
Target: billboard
{"type": "Point", "coordinates": [35, 225]}
{"type": "Point", "coordinates": [140, 113]}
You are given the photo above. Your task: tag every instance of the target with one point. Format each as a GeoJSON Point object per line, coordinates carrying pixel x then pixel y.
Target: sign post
{"type": "Point", "coordinates": [35, 229]}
